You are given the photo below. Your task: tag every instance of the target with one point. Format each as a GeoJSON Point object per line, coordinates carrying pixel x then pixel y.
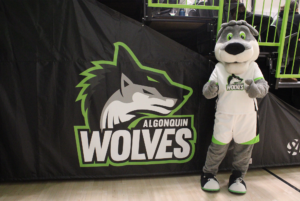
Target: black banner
{"type": "Point", "coordinates": [89, 93]}
{"type": "Point", "coordinates": [279, 129]}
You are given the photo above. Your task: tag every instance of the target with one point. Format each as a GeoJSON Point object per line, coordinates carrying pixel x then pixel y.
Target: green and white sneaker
{"type": "Point", "coordinates": [236, 183]}
{"type": "Point", "coordinates": [209, 182]}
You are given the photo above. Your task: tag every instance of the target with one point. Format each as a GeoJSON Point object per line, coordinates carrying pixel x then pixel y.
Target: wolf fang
{"type": "Point", "coordinates": [130, 148]}
{"type": "Point", "coordinates": [155, 123]}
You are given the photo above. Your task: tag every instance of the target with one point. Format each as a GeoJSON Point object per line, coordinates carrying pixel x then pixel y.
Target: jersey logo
{"type": "Point", "coordinates": [234, 83]}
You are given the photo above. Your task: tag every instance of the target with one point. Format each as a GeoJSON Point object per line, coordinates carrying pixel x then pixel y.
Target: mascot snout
{"type": "Point", "coordinates": [236, 46]}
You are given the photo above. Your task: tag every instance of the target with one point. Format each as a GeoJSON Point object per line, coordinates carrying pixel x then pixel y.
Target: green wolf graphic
{"type": "Point", "coordinates": [121, 93]}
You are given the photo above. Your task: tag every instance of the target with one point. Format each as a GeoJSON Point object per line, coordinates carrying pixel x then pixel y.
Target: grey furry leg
{"type": "Point", "coordinates": [241, 157]}
{"type": "Point", "coordinates": [257, 89]}
{"type": "Point", "coordinates": [214, 157]}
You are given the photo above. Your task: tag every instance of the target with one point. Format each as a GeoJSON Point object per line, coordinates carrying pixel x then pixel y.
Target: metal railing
{"type": "Point", "coordinates": [284, 49]}
{"type": "Point", "coordinates": [205, 6]}
{"type": "Point", "coordinates": [269, 36]}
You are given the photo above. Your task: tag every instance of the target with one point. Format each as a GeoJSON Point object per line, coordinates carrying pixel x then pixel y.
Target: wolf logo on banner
{"type": "Point", "coordinates": [122, 105]}
{"type": "Point", "coordinates": [130, 115]}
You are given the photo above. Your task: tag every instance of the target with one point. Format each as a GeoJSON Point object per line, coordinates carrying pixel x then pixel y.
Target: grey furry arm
{"type": "Point", "coordinates": [210, 90]}
{"type": "Point", "coordinates": [257, 89]}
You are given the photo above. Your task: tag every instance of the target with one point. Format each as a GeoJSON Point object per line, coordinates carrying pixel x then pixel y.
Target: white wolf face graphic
{"type": "Point", "coordinates": [131, 98]}
{"type": "Point", "coordinates": [234, 80]}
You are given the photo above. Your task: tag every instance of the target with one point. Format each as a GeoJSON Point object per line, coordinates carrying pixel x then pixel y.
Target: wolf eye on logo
{"type": "Point", "coordinates": [234, 83]}
{"type": "Point", "coordinates": [132, 115]}
{"type": "Point", "coordinates": [293, 147]}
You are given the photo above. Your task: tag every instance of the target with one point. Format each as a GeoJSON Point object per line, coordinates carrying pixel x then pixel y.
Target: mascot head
{"type": "Point", "coordinates": [236, 46]}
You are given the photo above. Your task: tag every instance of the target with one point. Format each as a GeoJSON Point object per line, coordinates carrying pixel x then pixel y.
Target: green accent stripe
{"type": "Point", "coordinates": [216, 82]}
{"type": "Point", "coordinates": [237, 10]}
{"type": "Point", "coordinates": [261, 18]}
{"type": "Point", "coordinates": [253, 12]}
{"type": "Point", "coordinates": [228, 10]}
{"type": "Point", "coordinates": [215, 141]}
{"type": "Point", "coordinates": [151, 79]}
{"type": "Point", "coordinates": [253, 141]}
{"type": "Point", "coordinates": [277, 21]}
{"type": "Point", "coordinates": [246, 10]}
{"type": "Point", "coordinates": [259, 78]}
{"type": "Point", "coordinates": [268, 44]}
{"type": "Point", "coordinates": [241, 192]}
{"type": "Point", "coordinates": [210, 189]}
{"type": "Point", "coordinates": [295, 51]}
{"type": "Point", "coordinates": [269, 20]}
{"type": "Point", "coordinates": [288, 49]}
{"type": "Point", "coordinates": [163, 5]}
{"type": "Point", "coordinates": [220, 15]}
{"type": "Point", "coordinates": [288, 75]}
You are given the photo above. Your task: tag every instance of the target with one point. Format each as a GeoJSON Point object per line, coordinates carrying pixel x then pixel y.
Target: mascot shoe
{"type": "Point", "coordinates": [209, 182]}
{"type": "Point", "coordinates": [236, 183]}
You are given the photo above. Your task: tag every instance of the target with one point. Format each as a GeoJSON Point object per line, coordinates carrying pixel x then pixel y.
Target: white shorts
{"type": "Point", "coordinates": [242, 128]}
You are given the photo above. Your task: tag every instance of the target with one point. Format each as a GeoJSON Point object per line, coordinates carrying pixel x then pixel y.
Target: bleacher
{"type": "Point", "coordinates": [195, 24]}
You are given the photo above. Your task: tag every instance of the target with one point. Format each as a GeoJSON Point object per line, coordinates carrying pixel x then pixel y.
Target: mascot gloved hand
{"type": "Point", "coordinates": [237, 81]}
{"type": "Point", "coordinates": [210, 90]}
{"type": "Point", "coordinates": [258, 89]}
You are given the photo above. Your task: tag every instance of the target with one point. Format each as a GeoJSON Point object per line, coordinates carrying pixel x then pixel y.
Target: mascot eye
{"type": "Point", "coordinates": [243, 35]}
{"type": "Point", "coordinates": [229, 36]}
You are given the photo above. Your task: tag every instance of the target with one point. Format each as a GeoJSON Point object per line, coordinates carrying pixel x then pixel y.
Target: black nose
{"type": "Point", "coordinates": [235, 48]}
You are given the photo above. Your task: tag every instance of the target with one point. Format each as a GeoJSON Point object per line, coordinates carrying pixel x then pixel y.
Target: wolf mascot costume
{"type": "Point", "coordinates": [237, 81]}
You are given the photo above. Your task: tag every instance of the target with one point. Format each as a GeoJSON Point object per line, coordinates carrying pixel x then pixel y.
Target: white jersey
{"type": "Point", "coordinates": [232, 96]}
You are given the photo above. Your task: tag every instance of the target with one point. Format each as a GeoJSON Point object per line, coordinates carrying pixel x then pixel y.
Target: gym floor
{"type": "Point", "coordinates": [274, 184]}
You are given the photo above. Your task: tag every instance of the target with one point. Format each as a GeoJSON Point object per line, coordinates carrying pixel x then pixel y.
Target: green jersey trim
{"type": "Point", "coordinates": [216, 82]}
{"type": "Point", "coordinates": [259, 78]}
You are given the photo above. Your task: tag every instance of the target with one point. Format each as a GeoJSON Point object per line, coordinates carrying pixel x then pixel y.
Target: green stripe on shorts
{"type": "Point", "coordinates": [253, 141]}
{"type": "Point", "coordinates": [215, 141]}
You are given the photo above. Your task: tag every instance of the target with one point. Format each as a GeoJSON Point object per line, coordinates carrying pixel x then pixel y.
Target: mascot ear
{"type": "Point", "coordinates": [253, 31]}
{"type": "Point", "coordinates": [223, 26]}
{"type": "Point", "coordinates": [125, 81]}
{"type": "Point", "coordinates": [220, 32]}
